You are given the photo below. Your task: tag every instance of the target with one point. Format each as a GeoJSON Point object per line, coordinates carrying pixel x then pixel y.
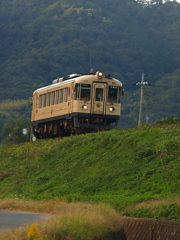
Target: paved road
{"type": "Point", "coordinates": [11, 219]}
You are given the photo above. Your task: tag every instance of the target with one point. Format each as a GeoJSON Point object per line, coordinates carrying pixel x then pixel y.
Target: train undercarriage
{"type": "Point", "coordinates": [73, 126]}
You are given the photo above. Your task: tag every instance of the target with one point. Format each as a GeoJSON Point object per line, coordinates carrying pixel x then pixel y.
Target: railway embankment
{"type": "Point", "coordinates": [135, 171]}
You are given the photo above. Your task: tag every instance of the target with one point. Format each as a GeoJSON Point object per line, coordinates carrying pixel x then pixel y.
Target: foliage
{"type": "Point", "coordinates": [116, 167]}
{"type": "Point", "coordinates": [16, 131]}
{"type": "Point", "coordinates": [50, 39]}
{"type": "Point", "coordinates": [15, 105]}
{"type": "Point", "coordinates": [169, 120]}
{"type": "Point", "coordinates": [169, 212]}
{"type": "Point", "coordinates": [41, 45]}
{"type": "Point", "coordinates": [14, 109]}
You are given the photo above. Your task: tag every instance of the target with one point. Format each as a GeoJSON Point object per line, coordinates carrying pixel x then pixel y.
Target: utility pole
{"type": "Point", "coordinates": [141, 100]}
{"type": "Point", "coordinates": [142, 83]}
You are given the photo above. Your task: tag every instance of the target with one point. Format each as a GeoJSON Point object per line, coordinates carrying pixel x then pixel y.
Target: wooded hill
{"type": "Point", "coordinates": [47, 39]}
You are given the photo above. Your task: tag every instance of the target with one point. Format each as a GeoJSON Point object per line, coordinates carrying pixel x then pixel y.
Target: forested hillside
{"type": "Point", "coordinates": [47, 39]}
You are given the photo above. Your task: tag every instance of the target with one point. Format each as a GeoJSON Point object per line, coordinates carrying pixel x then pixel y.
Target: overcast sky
{"type": "Point", "coordinates": [177, 1]}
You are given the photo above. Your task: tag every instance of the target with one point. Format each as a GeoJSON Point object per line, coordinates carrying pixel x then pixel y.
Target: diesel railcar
{"type": "Point", "coordinates": [78, 103]}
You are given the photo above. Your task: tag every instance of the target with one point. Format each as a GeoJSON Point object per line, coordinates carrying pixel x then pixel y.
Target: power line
{"type": "Point", "coordinates": [149, 96]}
{"type": "Point", "coordinates": [149, 84]}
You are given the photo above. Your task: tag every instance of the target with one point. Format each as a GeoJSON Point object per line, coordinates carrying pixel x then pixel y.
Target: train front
{"type": "Point", "coordinates": [97, 102]}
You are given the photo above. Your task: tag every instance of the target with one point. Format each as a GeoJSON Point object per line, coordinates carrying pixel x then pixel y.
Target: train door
{"type": "Point", "coordinates": [99, 95]}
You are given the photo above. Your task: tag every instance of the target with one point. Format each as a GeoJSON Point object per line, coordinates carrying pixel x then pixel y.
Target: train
{"type": "Point", "coordinates": [76, 104]}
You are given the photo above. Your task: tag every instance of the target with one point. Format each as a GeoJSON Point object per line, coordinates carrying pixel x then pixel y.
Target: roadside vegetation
{"type": "Point", "coordinates": [77, 221]}
{"type": "Point", "coordinates": [134, 172]}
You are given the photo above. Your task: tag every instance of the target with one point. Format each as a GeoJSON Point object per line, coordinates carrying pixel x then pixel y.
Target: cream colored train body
{"type": "Point", "coordinates": [78, 103]}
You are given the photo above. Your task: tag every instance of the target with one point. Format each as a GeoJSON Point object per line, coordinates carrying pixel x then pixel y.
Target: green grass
{"type": "Point", "coordinates": [121, 168]}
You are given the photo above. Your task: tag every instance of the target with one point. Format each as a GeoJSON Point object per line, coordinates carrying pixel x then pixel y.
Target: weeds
{"type": "Point", "coordinates": [75, 221]}
{"type": "Point", "coordinates": [33, 233]}
{"type": "Point", "coordinates": [168, 212]}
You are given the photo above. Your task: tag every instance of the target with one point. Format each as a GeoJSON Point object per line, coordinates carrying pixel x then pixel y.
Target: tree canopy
{"type": "Point", "coordinates": [43, 40]}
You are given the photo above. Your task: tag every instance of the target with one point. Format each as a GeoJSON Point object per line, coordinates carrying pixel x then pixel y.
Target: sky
{"type": "Point", "coordinates": [177, 1]}
{"type": "Point", "coordinates": [169, 0]}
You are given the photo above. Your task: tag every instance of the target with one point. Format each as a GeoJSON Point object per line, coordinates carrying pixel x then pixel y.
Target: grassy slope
{"type": "Point", "coordinates": [117, 167]}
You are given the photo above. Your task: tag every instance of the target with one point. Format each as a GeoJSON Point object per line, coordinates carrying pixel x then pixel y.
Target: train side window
{"type": "Point", "coordinates": [77, 91]}
{"type": "Point", "coordinates": [40, 101]}
{"type": "Point", "coordinates": [57, 97]}
{"type": "Point", "coordinates": [65, 94]}
{"type": "Point", "coordinates": [119, 94]}
{"type": "Point", "coordinates": [52, 97]}
{"type": "Point", "coordinates": [61, 95]}
{"type": "Point", "coordinates": [48, 99]}
{"type": "Point", "coordinates": [113, 94]}
{"type": "Point", "coordinates": [44, 100]}
{"type": "Point", "coordinates": [85, 91]}
{"type": "Point", "coordinates": [99, 94]}
{"type": "Point", "coordinates": [69, 91]}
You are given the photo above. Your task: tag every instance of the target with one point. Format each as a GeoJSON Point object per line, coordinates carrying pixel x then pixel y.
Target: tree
{"type": "Point", "coordinates": [16, 131]}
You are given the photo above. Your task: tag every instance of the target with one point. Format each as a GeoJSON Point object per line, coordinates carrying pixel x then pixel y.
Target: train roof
{"type": "Point", "coordinates": [71, 78]}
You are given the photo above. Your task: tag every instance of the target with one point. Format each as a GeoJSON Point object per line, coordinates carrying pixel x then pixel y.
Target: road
{"type": "Point", "coordinates": [11, 219]}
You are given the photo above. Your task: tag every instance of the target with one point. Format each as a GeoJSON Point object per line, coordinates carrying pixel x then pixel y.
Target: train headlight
{"type": "Point", "coordinates": [100, 74]}
{"type": "Point", "coordinates": [111, 109]}
{"type": "Point", "coordinates": [84, 107]}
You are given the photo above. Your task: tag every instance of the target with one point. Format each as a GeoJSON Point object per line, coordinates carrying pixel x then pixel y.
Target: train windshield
{"type": "Point", "coordinates": [113, 94]}
{"type": "Point", "coordinates": [82, 91]}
